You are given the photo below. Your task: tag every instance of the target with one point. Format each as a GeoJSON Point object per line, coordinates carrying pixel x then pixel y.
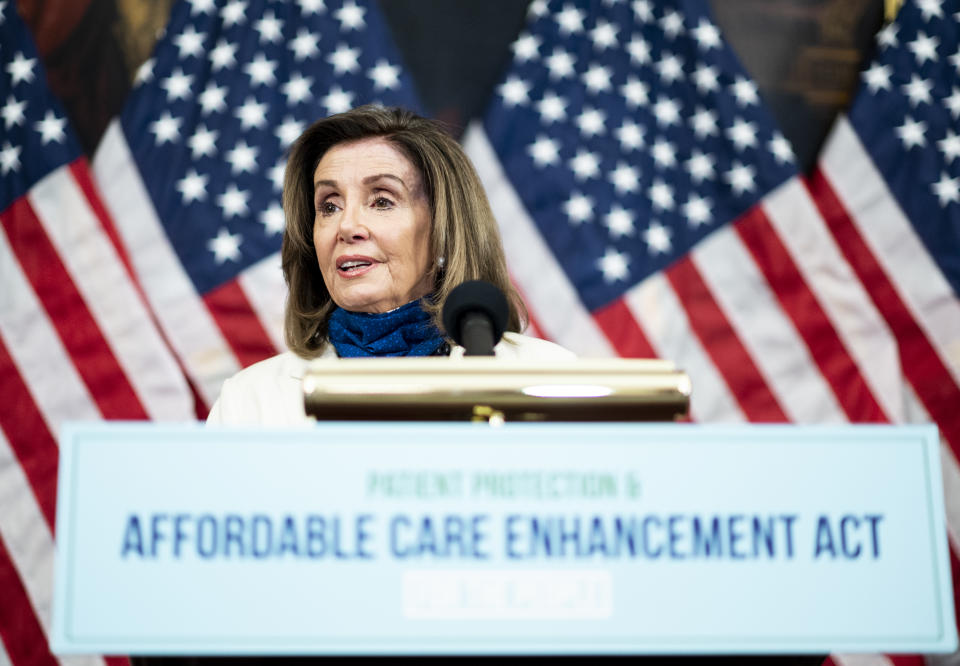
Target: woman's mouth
{"type": "Point", "coordinates": [354, 266]}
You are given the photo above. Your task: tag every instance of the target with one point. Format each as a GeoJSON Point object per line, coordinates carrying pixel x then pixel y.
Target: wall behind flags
{"type": "Point", "coordinates": [803, 54]}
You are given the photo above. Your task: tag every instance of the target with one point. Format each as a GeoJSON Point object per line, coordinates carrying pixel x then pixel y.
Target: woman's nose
{"type": "Point", "coordinates": [352, 226]}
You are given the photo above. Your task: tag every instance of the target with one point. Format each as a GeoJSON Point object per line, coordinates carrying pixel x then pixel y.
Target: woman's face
{"type": "Point", "coordinates": [372, 226]}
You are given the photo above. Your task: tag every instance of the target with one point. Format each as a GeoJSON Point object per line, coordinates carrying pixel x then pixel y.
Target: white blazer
{"type": "Point", "coordinates": [269, 393]}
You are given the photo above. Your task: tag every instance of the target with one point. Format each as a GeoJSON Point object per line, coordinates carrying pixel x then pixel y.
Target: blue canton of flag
{"type": "Point", "coordinates": [636, 132]}
{"type": "Point", "coordinates": [230, 86]}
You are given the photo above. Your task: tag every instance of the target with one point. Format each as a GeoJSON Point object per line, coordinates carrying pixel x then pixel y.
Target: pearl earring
{"type": "Point", "coordinates": [441, 262]}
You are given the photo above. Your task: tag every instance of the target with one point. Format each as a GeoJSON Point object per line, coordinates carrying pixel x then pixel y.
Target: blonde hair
{"type": "Point", "coordinates": [464, 232]}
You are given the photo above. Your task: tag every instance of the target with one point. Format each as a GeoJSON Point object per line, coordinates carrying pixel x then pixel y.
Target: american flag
{"type": "Point", "coordinates": [76, 339]}
{"type": "Point", "coordinates": [193, 169]}
{"type": "Point", "coordinates": [649, 207]}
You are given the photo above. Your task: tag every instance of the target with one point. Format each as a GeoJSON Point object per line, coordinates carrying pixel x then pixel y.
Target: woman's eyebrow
{"type": "Point", "coordinates": [378, 176]}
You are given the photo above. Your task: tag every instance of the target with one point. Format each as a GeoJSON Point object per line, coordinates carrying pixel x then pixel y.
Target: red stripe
{"type": "Point", "coordinates": [811, 322]}
{"type": "Point", "coordinates": [239, 323]}
{"type": "Point", "coordinates": [117, 661]}
{"type": "Point", "coordinates": [22, 635]}
{"type": "Point", "coordinates": [722, 344]}
{"type": "Point", "coordinates": [919, 360]}
{"type": "Point", "coordinates": [621, 328]}
{"type": "Point", "coordinates": [29, 437]}
{"type": "Point", "coordinates": [68, 313]}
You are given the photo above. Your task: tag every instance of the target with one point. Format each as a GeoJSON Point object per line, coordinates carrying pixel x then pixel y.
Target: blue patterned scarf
{"type": "Point", "coordinates": [406, 331]}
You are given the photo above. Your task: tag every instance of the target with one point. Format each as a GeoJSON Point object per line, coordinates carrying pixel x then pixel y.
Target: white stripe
{"type": "Point", "coordinates": [4, 657]}
{"type": "Point", "coordinates": [861, 660]}
{"type": "Point", "coordinates": [663, 320]}
{"type": "Point", "coordinates": [780, 354]}
{"type": "Point", "coordinates": [864, 332]}
{"type": "Point", "coordinates": [108, 292]}
{"type": "Point", "coordinates": [181, 312]}
{"type": "Point", "coordinates": [550, 296]}
{"type": "Point", "coordinates": [36, 349]}
{"type": "Point", "coordinates": [266, 290]}
{"type": "Point", "coordinates": [891, 239]}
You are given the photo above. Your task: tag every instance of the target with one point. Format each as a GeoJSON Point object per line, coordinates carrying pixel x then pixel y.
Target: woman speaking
{"type": "Point", "coordinates": [385, 216]}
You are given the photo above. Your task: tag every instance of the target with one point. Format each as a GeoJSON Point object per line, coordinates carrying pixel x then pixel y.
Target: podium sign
{"type": "Point", "coordinates": [458, 538]}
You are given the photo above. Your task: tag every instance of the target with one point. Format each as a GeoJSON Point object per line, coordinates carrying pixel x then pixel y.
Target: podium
{"type": "Point", "coordinates": [481, 508]}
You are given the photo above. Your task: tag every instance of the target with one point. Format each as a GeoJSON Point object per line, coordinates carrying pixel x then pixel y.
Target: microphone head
{"type": "Point", "coordinates": [475, 296]}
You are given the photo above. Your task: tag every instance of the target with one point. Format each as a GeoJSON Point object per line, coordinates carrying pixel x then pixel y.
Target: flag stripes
{"type": "Point", "coordinates": [239, 325]}
{"type": "Point", "coordinates": [618, 324]}
{"type": "Point", "coordinates": [23, 640]}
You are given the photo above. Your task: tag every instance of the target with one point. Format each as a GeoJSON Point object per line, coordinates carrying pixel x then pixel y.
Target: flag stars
{"type": "Point", "coordinates": [597, 79]}
{"type": "Point", "coordinates": [585, 165]}
{"type": "Point", "coordinates": [552, 108]}
{"type": "Point", "coordinates": [242, 158]}
{"type": "Point", "coordinates": [639, 50]}
{"type": "Point", "coordinates": [950, 147]}
{"type": "Point", "coordinates": [272, 219]}
{"type": "Point", "coordinates": [740, 178]}
{"type": "Point", "coordinates": [234, 13]}
{"type": "Point", "coordinates": [742, 134]}
{"type": "Point", "coordinates": [166, 128]}
{"type": "Point", "coordinates": [947, 189]}
{"type": "Point", "coordinates": [878, 77]}
{"type": "Point", "coordinates": [310, 7]}
{"type": "Point", "coordinates": [275, 174]}
{"type": "Point", "coordinates": [630, 135]}
{"type": "Point", "coordinates": [288, 131]}
{"type": "Point", "coordinates": [304, 45]}
{"type": "Point", "coordinates": [657, 238]}
{"type": "Point", "coordinates": [604, 35]}
{"type": "Point", "coordinates": [700, 166]}
{"type": "Point", "coordinates": [697, 210]}
{"type": "Point", "coordinates": [526, 47]}
{"type": "Point", "coordinates": [544, 151]}
{"type": "Point", "coordinates": [9, 158]}
{"type": "Point", "coordinates": [670, 68]}
{"type": "Point", "coordinates": [233, 202]}
{"type": "Point", "coordinates": [745, 91]}
{"type": "Point", "coordinates": [201, 7]}
{"type": "Point", "coordinates": [705, 78]}
{"type": "Point", "coordinates": [672, 24]}
{"type": "Point", "coordinates": [203, 143]}
{"type": "Point", "coordinates": [614, 266]}
{"type": "Point", "coordinates": [213, 98]}
{"type": "Point", "coordinates": [955, 58]}
{"type": "Point", "coordinates": [261, 71]}
{"type": "Point", "coordinates": [177, 85]}
{"type": "Point", "coordinates": [704, 123]}
{"type": "Point", "coordinates": [252, 114]}
{"type": "Point", "coordinates": [384, 76]}
{"type": "Point", "coordinates": [781, 149]}
{"type": "Point", "coordinates": [51, 128]}
{"type": "Point", "coordinates": [661, 195]}
{"type": "Point", "coordinates": [918, 90]}
{"type": "Point", "coordinates": [706, 35]}
{"type": "Point", "coordinates": [344, 59]}
{"type": "Point", "coordinates": [223, 55]}
{"type": "Point", "coordinates": [579, 208]}
{"type": "Point", "coordinates": [189, 42]}
{"type": "Point", "coordinates": [515, 91]}
{"type": "Point", "coordinates": [270, 28]}
{"type": "Point", "coordinates": [619, 221]}
{"type": "Point", "coordinates": [912, 133]}
{"type": "Point", "coordinates": [144, 72]}
{"type": "Point", "coordinates": [561, 64]}
{"type": "Point", "coordinates": [12, 112]}
{"type": "Point", "coordinates": [887, 37]}
{"type": "Point", "coordinates": [929, 9]}
{"type": "Point", "coordinates": [226, 246]}
{"type": "Point", "coordinates": [20, 68]}
{"type": "Point", "coordinates": [592, 122]}
{"type": "Point", "coordinates": [924, 48]}
{"type": "Point", "coordinates": [953, 102]}
{"type": "Point", "coordinates": [350, 16]}
{"type": "Point", "coordinates": [664, 154]}
{"type": "Point", "coordinates": [667, 112]}
{"type": "Point", "coordinates": [643, 10]}
{"type": "Point", "coordinates": [635, 92]}
{"type": "Point", "coordinates": [625, 178]}
{"type": "Point", "coordinates": [297, 89]}
{"type": "Point", "coordinates": [338, 100]}
{"type": "Point", "coordinates": [193, 187]}
{"type": "Point", "coordinates": [570, 20]}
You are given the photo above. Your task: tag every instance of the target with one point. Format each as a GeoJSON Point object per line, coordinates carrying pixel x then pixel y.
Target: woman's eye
{"type": "Point", "coordinates": [327, 208]}
{"type": "Point", "coordinates": [382, 202]}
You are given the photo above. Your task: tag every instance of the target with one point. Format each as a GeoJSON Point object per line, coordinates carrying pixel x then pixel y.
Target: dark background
{"type": "Point", "coordinates": [803, 54]}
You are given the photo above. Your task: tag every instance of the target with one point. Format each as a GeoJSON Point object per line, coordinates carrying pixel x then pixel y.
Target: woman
{"type": "Point", "coordinates": [385, 215]}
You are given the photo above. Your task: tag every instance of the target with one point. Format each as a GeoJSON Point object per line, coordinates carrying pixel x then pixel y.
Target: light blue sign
{"type": "Point", "coordinates": [413, 538]}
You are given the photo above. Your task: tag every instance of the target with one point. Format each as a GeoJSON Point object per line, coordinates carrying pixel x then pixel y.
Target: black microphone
{"type": "Point", "coordinates": [475, 316]}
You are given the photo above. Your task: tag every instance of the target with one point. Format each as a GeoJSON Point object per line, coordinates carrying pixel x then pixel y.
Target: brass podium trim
{"type": "Point", "coordinates": [453, 389]}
